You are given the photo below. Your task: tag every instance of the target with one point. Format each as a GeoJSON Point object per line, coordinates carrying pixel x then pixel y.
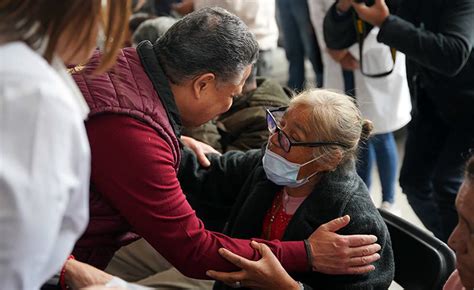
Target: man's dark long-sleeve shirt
{"type": "Point", "coordinates": [437, 38]}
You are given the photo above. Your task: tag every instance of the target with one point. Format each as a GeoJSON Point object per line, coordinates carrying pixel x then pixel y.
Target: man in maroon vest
{"type": "Point", "coordinates": [187, 77]}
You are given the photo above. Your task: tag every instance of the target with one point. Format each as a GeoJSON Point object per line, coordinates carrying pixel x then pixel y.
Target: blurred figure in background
{"type": "Point", "coordinates": [134, 21]}
{"type": "Point", "coordinates": [154, 7]}
{"type": "Point", "coordinates": [152, 29]}
{"type": "Point", "coordinates": [300, 42]}
{"type": "Point", "coordinates": [437, 38]}
{"type": "Point", "coordinates": [384, 100]}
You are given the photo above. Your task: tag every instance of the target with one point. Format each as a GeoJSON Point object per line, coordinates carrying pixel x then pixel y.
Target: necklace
{"type": "Point", "coordinates": [276, 207]}
{"type": "Point", "coordinates": [280, 214]}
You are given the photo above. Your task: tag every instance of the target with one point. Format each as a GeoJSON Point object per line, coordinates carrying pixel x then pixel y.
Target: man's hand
{"type": "Point", "coordinates": [184, 7]}
{"type": "Point", "coordinates": [337, 254]}
{"type": "Point", "coordinates": [337, 54]}
{"type": "Point", "coordinates": [200, 149]}
{"type": "Point", "coordinates": [79, 275]}
{"type": "Point", "coordinates": [344, 57]}
{"type": "Point", "coordinates": [266, 273]}
{"type": "Point", "coordinates": [349, 62]}
{"type": "Point", "coordinates": [343, 5]}
{"type": "Point", "coordinates": [139, 5]}
{"type": "Point", "coordinates": [375, 14]}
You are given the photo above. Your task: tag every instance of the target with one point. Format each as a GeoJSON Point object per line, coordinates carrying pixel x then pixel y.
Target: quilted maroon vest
{"type": "Point", "coordinates": [136, 86]}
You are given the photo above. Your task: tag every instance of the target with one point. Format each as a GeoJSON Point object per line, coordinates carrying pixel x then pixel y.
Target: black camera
{"type": "Point", "coordinates": [367, 2]}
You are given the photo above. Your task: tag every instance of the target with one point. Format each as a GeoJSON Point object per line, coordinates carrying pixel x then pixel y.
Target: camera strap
{"type": "Point", "coordinates": [361, 33]}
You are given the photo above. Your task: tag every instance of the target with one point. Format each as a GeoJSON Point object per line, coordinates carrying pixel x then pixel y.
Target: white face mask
{"type": "Point", "coordinates": [283, 172]}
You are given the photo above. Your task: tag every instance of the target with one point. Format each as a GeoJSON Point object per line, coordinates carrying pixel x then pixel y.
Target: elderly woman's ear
{"type": "Point", "coordinates": [332, 160]}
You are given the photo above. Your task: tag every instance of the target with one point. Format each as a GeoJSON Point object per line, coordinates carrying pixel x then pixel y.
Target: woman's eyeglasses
{"type": "Point", "coordinates": [283, 140]}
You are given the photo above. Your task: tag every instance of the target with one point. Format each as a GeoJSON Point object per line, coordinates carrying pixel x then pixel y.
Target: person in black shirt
{"type": "Point", "coordinates": [437, 38]}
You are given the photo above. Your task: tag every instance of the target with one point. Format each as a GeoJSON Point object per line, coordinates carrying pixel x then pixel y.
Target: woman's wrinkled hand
{"type": "Point", "coordinates": [266, 273]}
{"type": "Point", "coordinates": [79, 275]}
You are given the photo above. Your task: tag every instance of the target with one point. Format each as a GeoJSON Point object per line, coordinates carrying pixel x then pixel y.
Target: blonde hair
{"type": "Point", "coordinates": [41, 23]}
{"type": "Point", "coordinates": [336, 118]}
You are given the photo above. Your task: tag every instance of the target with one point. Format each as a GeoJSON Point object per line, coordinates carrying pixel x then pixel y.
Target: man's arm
{"type": "Point", "coordinates": [133, 168]}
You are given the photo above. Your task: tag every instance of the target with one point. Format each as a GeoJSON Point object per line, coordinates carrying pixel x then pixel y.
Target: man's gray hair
{"type": "Point", "coordinates": [208, 40]}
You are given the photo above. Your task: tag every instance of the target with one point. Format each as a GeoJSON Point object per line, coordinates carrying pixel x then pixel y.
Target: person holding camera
{"type": "Point", "coordinates": [383, 100]}
{"type": "Point", "coordinates": [437, 38]}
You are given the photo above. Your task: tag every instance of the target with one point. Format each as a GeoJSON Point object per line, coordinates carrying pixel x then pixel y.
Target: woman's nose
{"type": "Point", "coordinates": [274, 139]}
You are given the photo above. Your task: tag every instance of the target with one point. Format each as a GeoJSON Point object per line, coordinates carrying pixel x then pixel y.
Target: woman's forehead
{"type": "Point", "coordinates": [297, 117]}
{"type": "Point", "coordinates": [298, 112]}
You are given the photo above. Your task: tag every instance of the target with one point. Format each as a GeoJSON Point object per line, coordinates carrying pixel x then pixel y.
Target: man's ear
{"type": "Point", "coordinates": [203, 83]}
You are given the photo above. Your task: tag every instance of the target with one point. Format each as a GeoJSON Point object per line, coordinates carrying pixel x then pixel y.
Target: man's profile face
{"type": "Point", "coordinates": [462, 238]}
{"type": "Point", "coordinates": [219, 97]}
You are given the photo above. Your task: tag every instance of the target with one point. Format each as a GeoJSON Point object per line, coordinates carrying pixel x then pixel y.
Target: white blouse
{"type": "Point", "coordinates": [385, 101]}
{"type": "Point", "coordinates": [44, 167]}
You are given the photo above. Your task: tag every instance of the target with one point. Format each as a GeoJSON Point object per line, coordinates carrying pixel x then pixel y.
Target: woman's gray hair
{"type": "Point", "coordinates": [336, 118]}
{"type": "Point", "coordinates": [208, 40]}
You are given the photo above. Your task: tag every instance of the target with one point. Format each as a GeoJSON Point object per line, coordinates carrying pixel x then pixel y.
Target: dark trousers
{"type": "Point", "coordinates": [299, 41]}
{"type": "Point", "coordinates": [432, 169]}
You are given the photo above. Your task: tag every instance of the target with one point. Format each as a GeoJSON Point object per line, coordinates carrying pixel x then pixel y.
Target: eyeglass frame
{"type": "Point", "coordinates": [282, 133]}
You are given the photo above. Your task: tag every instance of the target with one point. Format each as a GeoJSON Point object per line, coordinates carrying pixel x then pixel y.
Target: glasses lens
{"type": "Point", "coordinates": [278, 115]}
{"type": "Point", "coordinates": [272, 126]}
{"type": "Point", "coordinates": [284, 141]}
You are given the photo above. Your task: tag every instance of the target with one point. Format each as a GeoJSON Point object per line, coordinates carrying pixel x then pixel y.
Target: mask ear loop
{"type": "Point", "coordinates": [305, 179]}
{"type": "Point", "coordinates": [312, 160]}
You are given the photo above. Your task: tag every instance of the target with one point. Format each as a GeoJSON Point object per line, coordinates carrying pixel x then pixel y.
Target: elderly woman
{"type": "Point", "coordinates": [304, 178]}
